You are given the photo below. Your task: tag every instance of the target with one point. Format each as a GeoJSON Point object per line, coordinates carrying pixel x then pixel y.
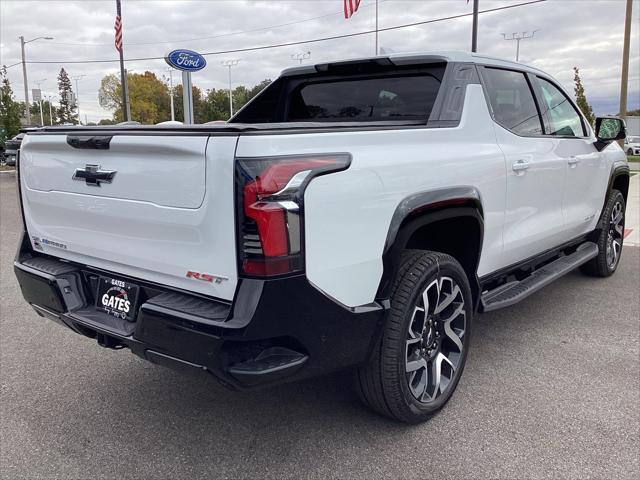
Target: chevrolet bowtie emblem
{"type": "Point", "coordinates": [93, 176]}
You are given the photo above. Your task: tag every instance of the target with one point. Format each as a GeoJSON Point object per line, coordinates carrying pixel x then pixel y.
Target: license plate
{"type": "Point", "coordinates": [117, 298]}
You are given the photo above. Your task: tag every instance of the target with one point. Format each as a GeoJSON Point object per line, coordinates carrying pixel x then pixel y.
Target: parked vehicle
{"type": "Point", "coordinates": [632, 145]}
{"type": "Point", "coordinates": [354, 214]}
{"type": "Point", "coordinates": [11, 149]}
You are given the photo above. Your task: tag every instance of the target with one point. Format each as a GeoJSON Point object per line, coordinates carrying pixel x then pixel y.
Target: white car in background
{"type": "Point", "coordinates": [632, 145]}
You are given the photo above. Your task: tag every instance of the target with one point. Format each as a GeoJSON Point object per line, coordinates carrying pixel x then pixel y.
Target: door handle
{"type": "Point", "coordinates": [573, 161]}
{"type": "Point", "coordinates": [520, 166]}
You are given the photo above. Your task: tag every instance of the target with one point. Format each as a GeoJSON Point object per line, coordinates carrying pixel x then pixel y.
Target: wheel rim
{"type": "Point", "coordinates": [615, 235]}
{"type": "Point", "coordinates": [435, 343]}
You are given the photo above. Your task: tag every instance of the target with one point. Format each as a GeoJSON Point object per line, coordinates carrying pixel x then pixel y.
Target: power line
{"type": "Point", "coordinates": [184, 40]}
{"type": "Point", "coordinates": [301, 42]}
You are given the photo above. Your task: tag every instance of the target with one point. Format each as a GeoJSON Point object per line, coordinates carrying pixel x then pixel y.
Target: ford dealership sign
{"type": "Point", "coordinates": [186, 60]}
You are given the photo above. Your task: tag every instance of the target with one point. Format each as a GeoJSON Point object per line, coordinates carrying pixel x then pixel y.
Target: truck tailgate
{"type": "Point", "coordinates": [168, 211]}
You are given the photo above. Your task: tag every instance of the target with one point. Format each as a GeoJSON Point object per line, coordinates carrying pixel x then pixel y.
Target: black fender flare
{"type": "Point", "coordinates": [618, 169]}
{"type": "Point", "coordinates": [423, 208]}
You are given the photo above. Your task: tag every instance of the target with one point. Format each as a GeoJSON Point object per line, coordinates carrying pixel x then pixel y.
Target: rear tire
{"type": "Point", "coordinates": [421, 354]}
{"type": "Point", "coordinates": [629, 152]}
{"type": "Point", "coordinates": [610, 238]}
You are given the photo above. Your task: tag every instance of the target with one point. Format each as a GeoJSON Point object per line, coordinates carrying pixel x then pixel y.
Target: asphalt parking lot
{"type": "Point", "coordinates": [551, 389]}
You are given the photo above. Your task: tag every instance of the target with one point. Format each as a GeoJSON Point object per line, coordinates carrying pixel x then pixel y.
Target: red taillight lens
{"type": "Point", "coordinates": [270, 209]}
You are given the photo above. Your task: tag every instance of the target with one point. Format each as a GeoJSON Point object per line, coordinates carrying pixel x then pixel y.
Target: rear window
{"type": "Point", "coordinates": [400, 94]}
{"type": "Point", "coordinates": [364, 100]}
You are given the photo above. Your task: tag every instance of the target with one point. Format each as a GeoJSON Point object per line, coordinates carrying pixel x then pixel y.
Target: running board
{"type": "Point", "coordinates": [511, 293]}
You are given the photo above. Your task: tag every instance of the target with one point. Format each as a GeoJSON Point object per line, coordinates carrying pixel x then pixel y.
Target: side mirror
{"type": "Point", "coordinates": [609, 129]}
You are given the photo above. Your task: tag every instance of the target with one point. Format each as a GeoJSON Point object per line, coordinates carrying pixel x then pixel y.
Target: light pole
{"type": "Point", "coordinates": [229, 64]}
{"type": "Point", "coordinates": [38, 83]}
{"type": "Point", "coordinates": [49, 98]}
{"type": "Point", "coordinates": [173, 112]}
{"type": "Point", "coordinates": [76, 78]}
{"type": "Point", "coordinates": [301, 56]}
{"type": "Point", "coordinates": [23, 42]}
{"type": "Point", "coordinates": [518, 37]}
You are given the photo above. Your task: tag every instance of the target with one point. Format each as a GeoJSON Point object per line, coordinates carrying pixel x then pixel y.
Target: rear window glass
{"type": "Point", "coordinates": [389, 98]}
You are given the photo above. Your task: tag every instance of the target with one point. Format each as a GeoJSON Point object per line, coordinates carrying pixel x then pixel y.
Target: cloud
{"type": "Point", "coordinates": [582, 33]}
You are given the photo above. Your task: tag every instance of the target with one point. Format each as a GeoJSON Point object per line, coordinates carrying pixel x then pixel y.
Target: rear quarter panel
{"type": "Point", "coordinates": [347, 214]}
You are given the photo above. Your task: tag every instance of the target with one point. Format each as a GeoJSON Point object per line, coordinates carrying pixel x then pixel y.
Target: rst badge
{"type": "Point", "coordinates": [117, 298]}
{"type": "Point", "coordinates": [206, 277]}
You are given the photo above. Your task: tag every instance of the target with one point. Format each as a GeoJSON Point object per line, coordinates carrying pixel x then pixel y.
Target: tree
{"type": "Point", "coordinates": [199, 105]}
{"type": "Point", "coordinates": [581, 98]}
{"type": "Point", "coordinates": [148, 97]}
{"type": "Point", "coordinates": [67, 110]}
{"type": "Point", "coordinates": [35, 113]}
{"type": "Point", "coordinates": [217, 101]}
{"type": "Point", "coordinates": [216, 105]}
{"type": "Point", "coordinates": [10, 112]}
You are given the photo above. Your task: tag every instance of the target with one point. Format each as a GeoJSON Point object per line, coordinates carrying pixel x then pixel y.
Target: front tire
{"type": "Point", "coordinates": [610, 238]}
{"type": "Point", "coordinates": [423, 349]}
{"type": "Point", "coordinates": [629, 152]}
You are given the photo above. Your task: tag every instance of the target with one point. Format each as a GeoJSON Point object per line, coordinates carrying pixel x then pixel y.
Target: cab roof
{"type": "Point", "coordinates": [416, 58]}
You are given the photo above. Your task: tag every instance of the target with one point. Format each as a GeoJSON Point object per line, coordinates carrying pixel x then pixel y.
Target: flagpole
{"type": "Point", "coordinates": [474, 33]}
{"type": "Point", "coordinates": [123, 78]}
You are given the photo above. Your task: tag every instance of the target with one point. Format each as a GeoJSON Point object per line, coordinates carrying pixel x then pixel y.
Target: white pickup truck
{"type": "Point", "coordinates": [354, 214]}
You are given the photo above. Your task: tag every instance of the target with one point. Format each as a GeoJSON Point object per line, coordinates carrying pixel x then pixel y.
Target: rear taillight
{"type": "Point", "coordinates": [270, 209]}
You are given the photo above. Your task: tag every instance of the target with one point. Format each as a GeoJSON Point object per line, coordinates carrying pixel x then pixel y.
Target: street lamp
{"type": "Point", "coordinates": [229, 64]}
{"type": "Point", "coordinates": [76, 78]}
{"type": "Point", "coordinates": [518, 37]}
{"type": "Point", "coordinates": [38, 83]}
{"type": "Point", "coordinates": [23, 42]}
{"type": "Point", "coordinates": [50, 98]}
{"type": "Point", "coordinates": [173, 111]}
{"type": "Point", "coordinates": [301, 56]}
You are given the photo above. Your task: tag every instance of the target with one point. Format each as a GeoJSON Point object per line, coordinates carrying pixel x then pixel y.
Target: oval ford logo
{"type": "Point", "coordinates": [186, 60]}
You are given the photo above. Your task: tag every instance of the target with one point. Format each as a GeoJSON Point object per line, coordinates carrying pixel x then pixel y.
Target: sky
{"type": "Point", "coordinates": [583, 33]}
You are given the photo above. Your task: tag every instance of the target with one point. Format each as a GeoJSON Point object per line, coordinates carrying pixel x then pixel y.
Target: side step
{"type": "Point", "coordinates": [271, 364]}
{"type": "Point", "coordinates": [513, 292]}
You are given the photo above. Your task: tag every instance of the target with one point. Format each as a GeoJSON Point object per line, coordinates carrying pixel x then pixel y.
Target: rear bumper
{"type": "Point", "coordinates": [273, 331]}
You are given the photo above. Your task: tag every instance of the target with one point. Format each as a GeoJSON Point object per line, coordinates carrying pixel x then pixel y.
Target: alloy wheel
{"type": "Point", "coordinates": [434, 342]}
{"type": "Point", "coordinates": [615, 235]}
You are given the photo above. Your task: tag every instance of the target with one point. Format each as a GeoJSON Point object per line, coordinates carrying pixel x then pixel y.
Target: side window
{"type": "Point", "coordinates": [563, 119]}
{"type": "Point", "coordinates": [512, 101]}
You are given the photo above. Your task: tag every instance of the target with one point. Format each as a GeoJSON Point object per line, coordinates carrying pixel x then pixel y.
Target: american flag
{"type": "Point", "coordinates": [118, 28]}
{"type": "Point", "coordinates": [350, 7]}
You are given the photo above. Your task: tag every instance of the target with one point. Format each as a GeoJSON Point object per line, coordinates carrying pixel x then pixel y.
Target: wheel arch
{"type": "Point", "coordinates": [453, 211]}
{"type": "Point", "coordinates": [621, 182]}
{"type": "Point", "coordinates": [618, 180]}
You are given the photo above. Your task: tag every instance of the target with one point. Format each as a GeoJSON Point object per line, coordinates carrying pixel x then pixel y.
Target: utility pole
{"type": "Point", "coordinates": [173, 112]}
{"type": "Point", "coordinates": [229, 64]}
{"type": "Point", "coordinates": [377, 51]}
{"type": "Point", "coordinates": [24, 74]}
{"type": "Point", "coordinates": [301, 56]}
{"type": "Point", "coordinates": [625, 61]}
{"type": "Point", "coordinates": [76, 78]}
{"type": "Point", "coordinates": [518, 37]}
{"type": "Point", "coordinates": [474, 29]}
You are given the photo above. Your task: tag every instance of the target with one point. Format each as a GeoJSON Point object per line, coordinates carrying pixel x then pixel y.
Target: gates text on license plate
{"type": "Point", "coordinates": [117, 298]}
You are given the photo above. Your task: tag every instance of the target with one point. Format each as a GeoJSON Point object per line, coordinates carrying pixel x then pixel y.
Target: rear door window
{"type": "Point", "coordinates": [512, 101]}
{"type": "Point", "coordinates": [385, 98]}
